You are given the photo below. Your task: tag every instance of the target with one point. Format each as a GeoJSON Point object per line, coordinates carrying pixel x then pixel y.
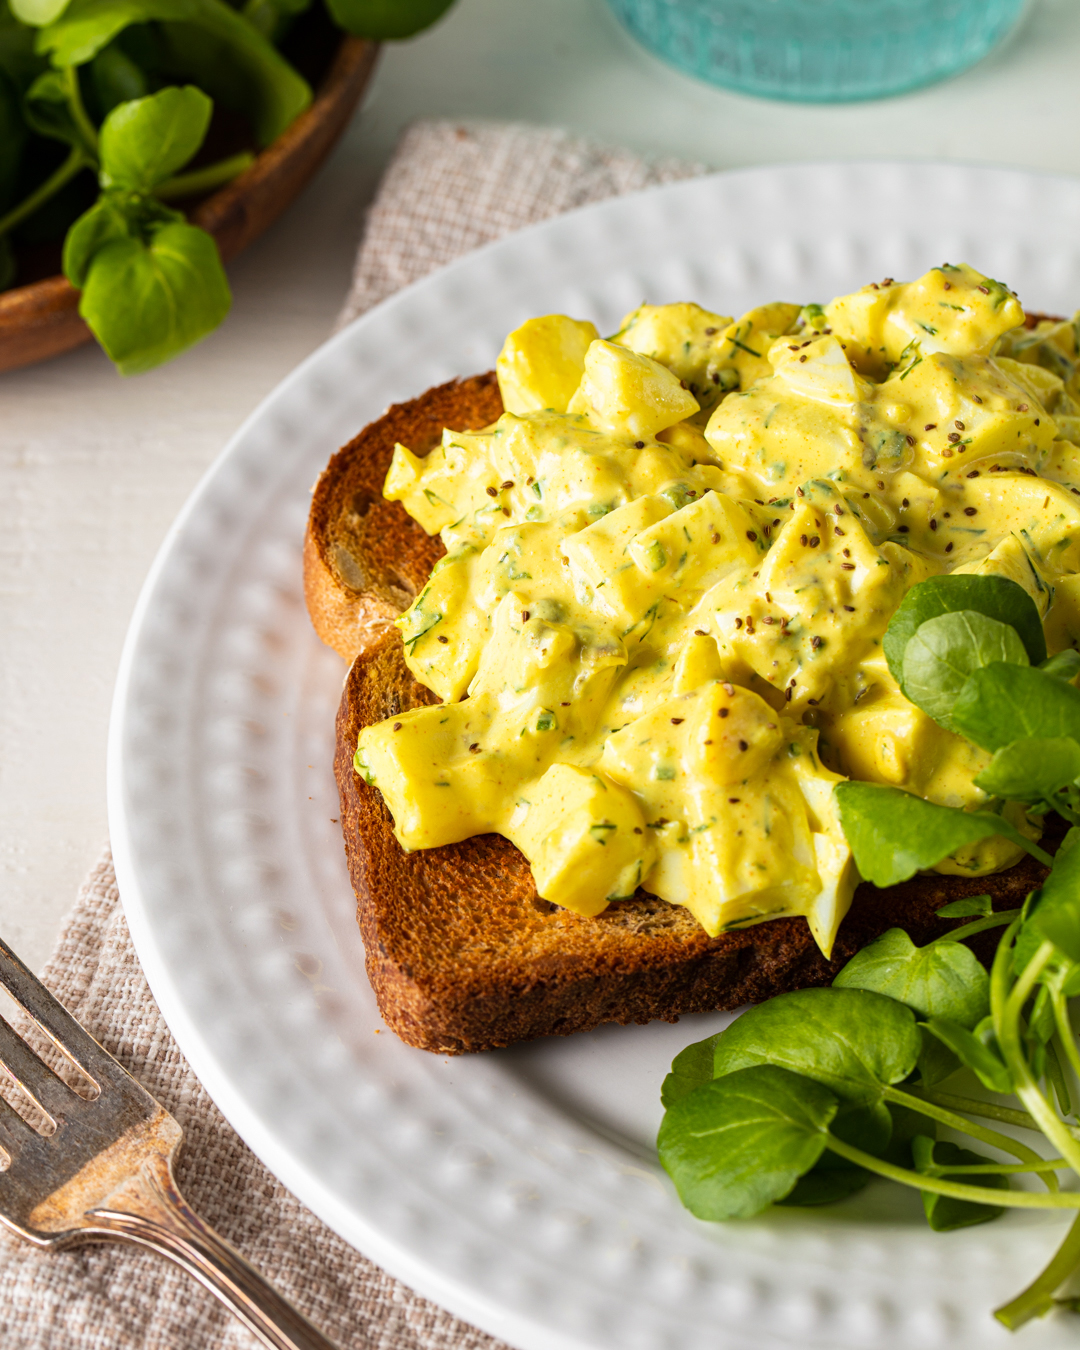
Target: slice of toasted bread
{"type": "Point", "coordinates": [461, 951]}
{"type": "Point", "coordinates": [464, 955]}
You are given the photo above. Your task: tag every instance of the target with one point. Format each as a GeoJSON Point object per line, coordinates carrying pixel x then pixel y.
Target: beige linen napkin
{"type": "Point", "coordinates": [449, 188]}
{"type": "Point", "coordinates": [453, 186]}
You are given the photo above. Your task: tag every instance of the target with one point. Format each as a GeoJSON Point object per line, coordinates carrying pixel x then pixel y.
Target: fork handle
{"type": "Point", "coordinates": [150, 1211]}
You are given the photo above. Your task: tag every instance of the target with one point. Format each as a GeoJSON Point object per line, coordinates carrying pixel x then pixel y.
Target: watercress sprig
{"type": "Point", "coordinates": [816, 1080]}
{"type": "Point", "coordinates": [151, 283]}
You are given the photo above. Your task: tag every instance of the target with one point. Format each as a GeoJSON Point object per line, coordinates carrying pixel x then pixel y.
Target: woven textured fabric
{"type": "Point", "coordinates": [449, 188]}
{"type": "Point", "coordinates": [453, 186]}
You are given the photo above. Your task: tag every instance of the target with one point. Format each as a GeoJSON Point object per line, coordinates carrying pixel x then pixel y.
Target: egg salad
{"type": "Point", "coordinates": [656, 632]}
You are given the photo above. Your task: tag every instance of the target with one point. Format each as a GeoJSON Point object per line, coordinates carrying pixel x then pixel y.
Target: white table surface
{"type": "Point", "coordinates": [93, 467]}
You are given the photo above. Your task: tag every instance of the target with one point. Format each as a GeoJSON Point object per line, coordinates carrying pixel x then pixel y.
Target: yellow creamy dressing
{"type": "Point", "coordinates": [656, 631]}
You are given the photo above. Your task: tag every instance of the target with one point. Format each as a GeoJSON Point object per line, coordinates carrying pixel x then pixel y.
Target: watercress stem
{"type": "Point", "coordinates": [1056, 1078]}
{"type": "Point", "coordinates": [1039, 854]}
{"type": "Point", "coordinates": [78, 110]}
{"type": "Point", "coordinates": [1064, 810]}
{"type": "Point", "coordinates": [1037, 1299]}
{"type": "Point", "coordinates": [75, 161]}
{"type": "Point", "coordinates": [1000, 1169]}
{"type": "Point", "coordinates": [1066, 1035]}
{"type": "Point", "coordinates": [1007, 1028]}
{"type": "Point", "coordinates": [957, 1122]}
{"type": "Point", "coordinates": [205, 179]}
{"type": "Point", "coordinates": [979, 926]}
{"type": "Point", "coordinates": [990, 1110]}
{"type": "Point", "coordinates": [980, 1195]}
{"type": "Point", "coordinates": [1001, 971]}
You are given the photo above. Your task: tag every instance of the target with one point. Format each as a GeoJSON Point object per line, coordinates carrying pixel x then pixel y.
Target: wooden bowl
{"type": "Point", "coordinates": [42, 319]}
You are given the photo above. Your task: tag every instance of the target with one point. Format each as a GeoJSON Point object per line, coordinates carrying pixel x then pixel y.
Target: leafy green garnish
{"type": "Point", "coordinates": [970, 907]}
{"type": "Point", "coordinates": [1002, 703]}
{"type": "Point", "coordinates": [1064, 666]}
{"type": "Point", "coordinates": [175, 293]}
{"type": "Point", "coordinates": [994, 597]}
{"type": "Point", "coordinates": [894, 834]}
{"type": "Point", "coordinates": [855, 1043]}
{"type": "Point", "coordinates": [942, 979]}
{"type": "Point", "coordinates": [739, 1143]}
{"type": "Point", "coordinates": [152, 285]}
{"type": "Point", "coordinates": [936, 1061]}
{"type": "Point", "coordinates": [1055, 915]}
{"type": "Point", "coordinates": [1032, 769]}
{"type": "Point", "coordinates": [146, 140]}
{"type": "Point", "coordinates": [972, 1051]}
{"type": "Point", "coordinates": [940, 1157]}
{"type": "Point", "coordinates": [689, 1069]}
{"type": "Point", "coordinates": [943, 652]}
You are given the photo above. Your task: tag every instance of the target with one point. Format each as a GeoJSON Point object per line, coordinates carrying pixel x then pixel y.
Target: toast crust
{"type": "Point", "coordinates": [462, 953]}
{"type": "Point", "coordinates": [365, 559]}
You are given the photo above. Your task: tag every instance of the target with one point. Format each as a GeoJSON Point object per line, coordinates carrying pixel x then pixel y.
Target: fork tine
{"type": "Point", "coordinates": [36, 1078]}
{"type": "Point", "coordinates": [14, 1131]}
{"type": "Point", "coordinates": [59, 1025]}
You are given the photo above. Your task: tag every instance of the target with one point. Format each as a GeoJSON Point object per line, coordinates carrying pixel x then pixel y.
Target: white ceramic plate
{"type": "Point", "coordinates": [520, 1188]}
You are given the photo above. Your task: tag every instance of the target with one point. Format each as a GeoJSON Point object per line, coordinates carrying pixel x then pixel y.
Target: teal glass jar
{"type": "Point", "coordinates": [820, 51]}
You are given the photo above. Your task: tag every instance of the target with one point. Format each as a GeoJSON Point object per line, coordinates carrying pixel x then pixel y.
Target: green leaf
{"type": "Point", "coordinates": [38, 13]}
{"type": "Point", "coordinates": [943, 1212]}
{"type": "Point", "coordinates": [936, 1061]}
{"type": "Point", "coordinates": [942, 979]}
{"type": "Point", "coordinates": [971, 907]}
{"type": "Point", "coordinates": [826, 1185]}
{"type": "Point", "coordinates": [1055, 912]}
{"type": "Point", "coordinates": [115, 215]}
{"type": "Point", "coordinates": [146, 302]}
{"type": "Point", "coordinates": [100, 225]}
{"type": "Point", "coordinates": [689, 1069]}
{"type": "Point", "coordinates": [995, 597]}
{"type": "Point", "coordinates": [974, 1053]}
{"type": "Point", "coordinates": [145, 141]}
{"type": "Point", "coordinates": [386, 20]}
{"type": "Point", "coordinates": [1064, 666]}
{"type": "Point", "coordinates": [1003, 703]}
{"type": "Point", "coordinates": [211, 43]}
{"type": "Point", "coordinates": [834, 1178]}
{"type": "Point", "coordinates": [894, 834]}
{"type": "Point", "coordinates": [1061, 972]}
{"type": "Point", "coordinates": [737, 1144]}
{"type": "Point", "coordinates": [1032, 769]}
{"type": "Point", "coordinates": [48, 112]}
{"type": "Point", "coordinates": [943, 652]}
{"type": "Point", "coordinates": [907, 1125]}
{"type": "Point", "coordinates": [1041, 1021]}
{"type": "Point", "coordinates": [855, 1043]}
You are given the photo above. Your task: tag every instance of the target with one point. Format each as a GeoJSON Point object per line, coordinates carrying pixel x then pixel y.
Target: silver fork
{"type": "Point", "coordinates": [99, 1167]}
